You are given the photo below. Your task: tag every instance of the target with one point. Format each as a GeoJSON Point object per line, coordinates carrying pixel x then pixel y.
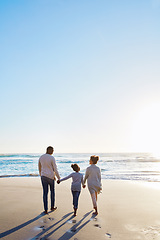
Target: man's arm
{"type": "Point", "coordinates": [39, 168]}
{"type": "Point", "coordinates": [55, 168]}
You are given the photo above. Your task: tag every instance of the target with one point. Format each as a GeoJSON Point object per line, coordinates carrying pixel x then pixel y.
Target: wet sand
{"type": "Point", "coordinates": [127, 211]}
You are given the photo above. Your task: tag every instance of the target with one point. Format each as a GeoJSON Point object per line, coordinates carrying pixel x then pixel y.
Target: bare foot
{"type": "Point", "coordinates": [75, 211]}
{"type": "Point", "coordinates": [95, 213]}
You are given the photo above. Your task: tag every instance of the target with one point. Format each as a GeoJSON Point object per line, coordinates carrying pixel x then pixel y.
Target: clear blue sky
{"type": "Point", "coordinates": [83, 76]}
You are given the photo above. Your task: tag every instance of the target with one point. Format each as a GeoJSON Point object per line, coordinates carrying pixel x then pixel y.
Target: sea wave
{"type": "Point", "coordinates": [20, 175]}
{"type": "Point", "coordinates": [19, 155]}
{"type": "Point", "coordinates": [124, 166]}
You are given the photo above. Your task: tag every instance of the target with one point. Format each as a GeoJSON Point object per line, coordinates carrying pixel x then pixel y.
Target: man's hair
{"type": "Point", "coordinates": [94, 159]}
{"type": "Point", "coordinates": [49, 149]}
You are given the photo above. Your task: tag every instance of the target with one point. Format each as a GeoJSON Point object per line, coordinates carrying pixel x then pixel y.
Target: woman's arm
{"type": "Point", "coordinates": [82, 181]}
{"type": "Point", "coordinates": [86, 175]}
{"type": "Point", "coordinates": [99, 176]}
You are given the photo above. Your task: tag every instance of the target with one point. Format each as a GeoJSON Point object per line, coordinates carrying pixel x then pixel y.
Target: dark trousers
{"type": "Point", "coordinates": [75, 198]}
{"type": "Point", "coordinates": [46, 182]}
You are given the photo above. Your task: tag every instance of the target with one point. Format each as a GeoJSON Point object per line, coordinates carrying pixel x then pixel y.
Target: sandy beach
{"type": "Point", "coordinates": [127, 211]}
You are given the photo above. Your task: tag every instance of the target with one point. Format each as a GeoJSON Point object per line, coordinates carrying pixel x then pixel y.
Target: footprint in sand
{"type": "Point", "coordinates": [71, 221]}
{"type": "Point", "coordinates": [97, 225]}
{"type": "Point", "coordinates": [38, 228]}
{"type": "Point", "coordinates": [72, 230]}
{"type": "Point", "coordinates": [44, 238]}
{"type": "Point", "coordinates": [95, 219]}
{"type": "Point", "coordinates": [108, 235]}
{"type": "Point", "coordinates": [51, 219]}
{"type": "Point", "coordinates": [42, 227]}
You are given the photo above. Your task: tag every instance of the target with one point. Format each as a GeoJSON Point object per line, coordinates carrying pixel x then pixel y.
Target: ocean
{"type": "Point", "coordinates": [121, 166]}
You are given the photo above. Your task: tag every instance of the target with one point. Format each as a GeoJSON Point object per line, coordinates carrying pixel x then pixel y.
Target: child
{"type": "Point", "coordinates": [93, 177]}
{"type": "Point", "coordinates": [77, 180]}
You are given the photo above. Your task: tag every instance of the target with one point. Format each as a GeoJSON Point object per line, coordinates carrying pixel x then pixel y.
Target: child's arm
{"type": "Point", "coordinates": [65, 178]}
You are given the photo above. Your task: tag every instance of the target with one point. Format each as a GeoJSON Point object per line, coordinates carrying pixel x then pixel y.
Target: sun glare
{"type": "Point", "coordinates": [146, 129]}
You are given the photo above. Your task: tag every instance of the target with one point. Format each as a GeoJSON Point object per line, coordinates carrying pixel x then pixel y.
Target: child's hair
{"type": "Point", "coordinates": [94, 159]}
{"type": "Point", "coordinates": [75, 167]}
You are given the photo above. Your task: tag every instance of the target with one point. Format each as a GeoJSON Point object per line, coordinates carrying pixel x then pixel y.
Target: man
{"type": "Point", "coordinates": [47, 170]}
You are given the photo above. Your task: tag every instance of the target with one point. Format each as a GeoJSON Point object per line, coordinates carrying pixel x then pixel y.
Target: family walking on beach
{"type": "Point", "coordinates": [48, 170]}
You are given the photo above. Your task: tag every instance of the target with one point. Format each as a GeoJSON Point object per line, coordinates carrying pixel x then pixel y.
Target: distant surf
{"type": "Point", "coordinates": [122, 166]}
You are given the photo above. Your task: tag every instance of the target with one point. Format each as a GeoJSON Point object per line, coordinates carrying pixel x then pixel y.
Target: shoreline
{"type": "Point", "coordinates": [128, 210]}
{"type": "Point", "coordinates": [32, 175]}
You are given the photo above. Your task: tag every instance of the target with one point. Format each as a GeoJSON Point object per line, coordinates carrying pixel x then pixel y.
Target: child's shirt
{"type": "Point", "coordinates": [77, 180]}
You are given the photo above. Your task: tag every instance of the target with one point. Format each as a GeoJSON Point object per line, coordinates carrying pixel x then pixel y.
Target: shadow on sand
{"type": "Point", "coordinates": [12, 230]}
{"type": "Point", "coordinates": [67, 235]}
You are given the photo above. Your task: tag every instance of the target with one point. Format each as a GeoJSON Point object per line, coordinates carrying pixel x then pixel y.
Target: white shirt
{"type": "Point", "coordinates": [93, 177]}
{"type": "Point", "coordinates": [48, 166]}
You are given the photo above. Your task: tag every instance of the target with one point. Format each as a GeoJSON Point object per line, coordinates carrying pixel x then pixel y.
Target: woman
{"type": "Point", "coordinates": [93, 177]}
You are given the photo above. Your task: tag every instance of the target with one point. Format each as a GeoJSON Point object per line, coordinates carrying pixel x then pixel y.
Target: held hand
{"type": "Point", "coordinates": [58, 181]}
{"type": "Point", "coordinates": [84, 186]}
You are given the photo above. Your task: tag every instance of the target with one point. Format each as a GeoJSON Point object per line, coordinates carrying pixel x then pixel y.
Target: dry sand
{"type": "Point", "coordinates": [127, 211]}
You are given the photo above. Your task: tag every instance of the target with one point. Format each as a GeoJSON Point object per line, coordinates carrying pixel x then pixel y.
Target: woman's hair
{"type": "Point", "coordinates": [94, 159]}
{"type": "Point", "coordinates": [75, 167]}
